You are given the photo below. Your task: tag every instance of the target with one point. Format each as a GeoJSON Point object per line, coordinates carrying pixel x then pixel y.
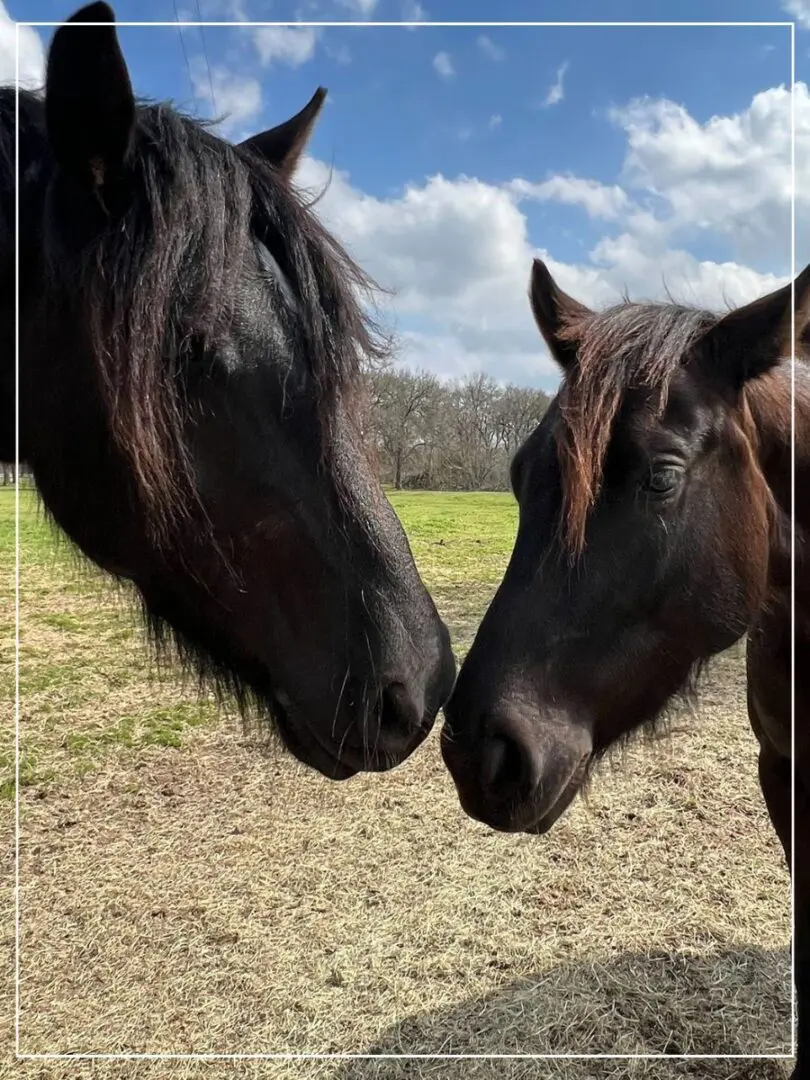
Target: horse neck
{"type": "Point", "coordinates": [769, 400]}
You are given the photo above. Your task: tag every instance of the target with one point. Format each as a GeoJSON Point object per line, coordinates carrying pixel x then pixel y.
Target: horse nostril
{"type": "Point", "coordinates": [399, 713]}
{"type": "Point", "coordinates": [500, 763]}
{"type": "Point", "coordinates": [508, 766]}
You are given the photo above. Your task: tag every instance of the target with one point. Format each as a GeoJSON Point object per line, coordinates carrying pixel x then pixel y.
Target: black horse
{"type": "Point", "coordinates": [191, 343]}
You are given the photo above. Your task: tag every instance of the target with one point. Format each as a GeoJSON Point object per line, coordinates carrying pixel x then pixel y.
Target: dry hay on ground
{"type": "Point", "coordinates": [211, 899]}
{"type": "Point", "coordinates": [411, 1069]}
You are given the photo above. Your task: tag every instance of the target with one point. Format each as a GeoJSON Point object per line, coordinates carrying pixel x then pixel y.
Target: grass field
{"type": "Point", "coordinates": [186, 889]}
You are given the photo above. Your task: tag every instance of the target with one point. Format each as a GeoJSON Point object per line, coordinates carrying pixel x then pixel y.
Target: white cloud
{"type": "Point", "coordinates": [495, 121]}
{"type": "Point", "coordinates": [488, 46]}
{"type": "Point", "coordinates": [291, 45]}
{"type": "Point", "coordinates": [235, 98]}
{"type": "Point", "coordinates": [798, 10]}
{"type": "Point", "coordinates": [399, 239]}
{"type": "Point", "coordinates": [556, 92]}
{"type": "Point", "coordinates": [32, 53]}
{"type": "Point", "coordinates": [730, 175]}
{"type": "Point", "coordinates": [598, 200]}
{"type": "Point", "coordinates": [444, 65]}
{"type": "Point", "coordinates": [706, 283]}
{"type": "Point", "coordinates": [465, 285]}
{"type": "Point", "coordinates": [456, 252]}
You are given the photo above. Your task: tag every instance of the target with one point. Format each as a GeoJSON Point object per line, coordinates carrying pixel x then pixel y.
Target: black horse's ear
{"type": "Point", "coordinates": [754, 338]}
{"type": "Point", "coordinates": [89, 104]}
{"type": "Point", "coordinates": [553, 309]}
{"type": "Point", "coordinates": [283, 146]}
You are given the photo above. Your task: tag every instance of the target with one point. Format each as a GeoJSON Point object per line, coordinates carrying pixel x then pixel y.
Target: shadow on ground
{"type": "Point", "coordinates": [631, 1004]}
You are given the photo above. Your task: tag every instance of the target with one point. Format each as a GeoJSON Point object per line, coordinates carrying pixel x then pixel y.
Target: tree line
{"type": "Point", "coordinates": [7, 474]}
{"type": "Point", "coordinates": [448, 436]}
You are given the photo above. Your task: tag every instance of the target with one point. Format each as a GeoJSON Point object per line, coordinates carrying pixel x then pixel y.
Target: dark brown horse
{"type": "Point", "coordinates": [655, 502]}
{"type": "Point", "coordinates": [191, 342]}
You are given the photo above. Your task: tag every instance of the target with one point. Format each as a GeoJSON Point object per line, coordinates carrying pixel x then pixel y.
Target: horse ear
{"type": "Point", "coordinates": [552, 308]}
{"type": "Point", "coordinates": [283, 146]}
{"type": "Point", "coordinates": [89, 104]}
{"type": "Point", "coordinates": [754, 338]}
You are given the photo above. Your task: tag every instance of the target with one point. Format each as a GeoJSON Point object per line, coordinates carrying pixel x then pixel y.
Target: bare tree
{"type": "Point", "coordinates": [518, 412]}
{"type": "Point", "coordinates": [475, 443]}
{"type": "Point", "coordinates": [459, 435]}
{"type": "Point", "coordinates": [405, 406]}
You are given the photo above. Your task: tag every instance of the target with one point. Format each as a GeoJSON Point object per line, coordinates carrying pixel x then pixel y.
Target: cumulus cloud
{"type": "Point", "coordinates": [32, 53]}
{"type": "Point", "coordinates": [598, 200]}
{"type": "Point", "coordinates": [443, 64]}
{"type": "Point", "coordinates": [290, 45]}
{"type": "Point", "coordinates": [556, 92]}
{"type": "Point", "coordinates": [730, 175]}
{"type": "Point", "coordinates": [457, 252]}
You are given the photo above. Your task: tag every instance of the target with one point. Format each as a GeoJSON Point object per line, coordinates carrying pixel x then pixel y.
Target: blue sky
{"type": "Point", "coordinates": [628, 157]}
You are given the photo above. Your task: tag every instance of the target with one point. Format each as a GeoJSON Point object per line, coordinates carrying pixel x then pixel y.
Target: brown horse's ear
{"type": "Point", "coordinates": [552, 310]}
{"type": "Point", "coordinates": [89, 104]}
{"type": "Point", "coordinates": [752, 339]}
{"type": "Point", "coordinates": [283, 146]}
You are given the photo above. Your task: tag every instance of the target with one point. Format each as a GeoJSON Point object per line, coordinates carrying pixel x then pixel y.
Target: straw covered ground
{"type": "Point", "coordinates": [186, 889]}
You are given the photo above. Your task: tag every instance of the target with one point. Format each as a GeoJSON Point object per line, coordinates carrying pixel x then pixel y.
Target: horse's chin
{"type": "Point", "coordinates": [336, 760]}
{"type": "Point", "coordinates": [556, 811]}
{"type": "Point", "coordinates": [300, 740]}
{"type": "Point", "coordinates": [526, 817]}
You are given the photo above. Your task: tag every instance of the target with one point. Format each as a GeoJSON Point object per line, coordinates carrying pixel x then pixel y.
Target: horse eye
{"type": "Point", "coordinates": [663, 480]}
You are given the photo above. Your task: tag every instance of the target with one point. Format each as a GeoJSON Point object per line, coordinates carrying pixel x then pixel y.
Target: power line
{"type": "Point", "coordinates": [207, 64]}
{"type": "Point", "coordinates": [183, 46]}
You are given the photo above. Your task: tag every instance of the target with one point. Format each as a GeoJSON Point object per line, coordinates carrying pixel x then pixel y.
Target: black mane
{"type": "Point", "coordinates": [193, 202]}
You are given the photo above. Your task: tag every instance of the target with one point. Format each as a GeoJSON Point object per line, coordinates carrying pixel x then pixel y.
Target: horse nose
{"type": "Point", "coordinates": [411, 696]}
{"type": "Point", "coordinates": [510, 766]}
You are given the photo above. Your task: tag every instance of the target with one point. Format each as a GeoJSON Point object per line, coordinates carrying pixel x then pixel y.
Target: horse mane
{"type": "Point", "coordinates": [631, 346]}
{"type": "Point", "coordinates": [159, 282]}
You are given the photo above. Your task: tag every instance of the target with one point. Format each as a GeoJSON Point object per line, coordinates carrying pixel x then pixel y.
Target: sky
{"type": "Point", "coordinates": [633, 160]}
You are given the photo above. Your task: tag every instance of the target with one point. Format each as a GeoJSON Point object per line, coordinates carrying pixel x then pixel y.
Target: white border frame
{"type": "Point", "coordinates": [348, 1056]}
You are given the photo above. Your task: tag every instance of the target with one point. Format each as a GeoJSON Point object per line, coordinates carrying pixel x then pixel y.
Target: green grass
{"type": "Point", "coordinates": [31, 775]}
{"type": "Point", "coordinates": [38, 540]}
{"type": "Point", "coordinates": [84, 667]}
{"type": "Point", "coordinates": [461, 542]}
{"type": "Point", "coordinates": [152, 727]}
{"type": "Point", "coordinates": [458, 538]}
